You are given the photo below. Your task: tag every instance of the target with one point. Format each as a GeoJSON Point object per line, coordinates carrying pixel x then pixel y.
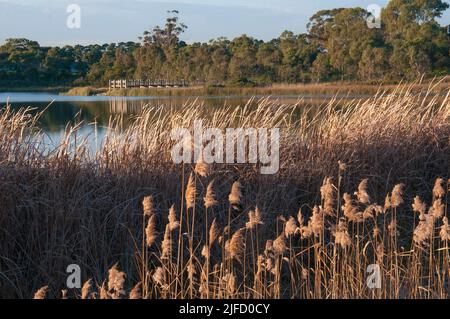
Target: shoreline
{"type": "Point", "coordinates": [330, 88]}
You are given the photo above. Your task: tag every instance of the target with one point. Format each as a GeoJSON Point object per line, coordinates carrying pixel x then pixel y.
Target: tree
{"type": "Point", "coordinates": [268, 58]}
{"type": "Point", "coordinates": [167, 36]}
{"type": "Point", "coordinates": [343, 34]}
{"type": "Point", "coordinates": [338, 45]}
{"type": "Point", "coordinates": [414, 36]}
{"type": "Point", "coordinates": [374, 63]}
{"type": "Point", "coordinates": [23, 60]}
{"type": "Point", "coordinates": [242, 66]}
{"type": "Point", "coordinates": [321, 68]}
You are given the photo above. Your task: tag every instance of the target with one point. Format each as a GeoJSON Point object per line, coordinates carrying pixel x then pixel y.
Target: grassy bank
{"type": "Point", "coordinates": [85, 91]}
{"type": "Point", "coordinates": [341, 88]}
{"type": "Point", "coordinates": [69, 207]}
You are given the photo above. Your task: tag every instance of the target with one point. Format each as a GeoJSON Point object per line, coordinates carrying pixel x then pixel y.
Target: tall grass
{"type": "Point", "coordinates": [225, 231]}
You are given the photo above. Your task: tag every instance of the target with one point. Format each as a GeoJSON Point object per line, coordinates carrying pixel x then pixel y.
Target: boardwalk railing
{"type": "Point", "coordinates": [127, 83]}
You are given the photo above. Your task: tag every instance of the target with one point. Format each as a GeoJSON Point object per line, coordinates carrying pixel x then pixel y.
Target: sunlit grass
{"type": "Point", "coordinates": [67, 206]}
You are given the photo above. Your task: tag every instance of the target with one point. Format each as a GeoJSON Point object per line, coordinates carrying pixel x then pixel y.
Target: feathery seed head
{"type": "Point", "coordinates": [201, 168]}
{"type": "Point", "coordinates": [235, 196]}
{"type": "Point", "coordinates": [291, 228]}
{"type": "Point", "coordinates": [438, 189]}
{"type": "Point", "coordinates": [147, 204]}
{"type": "Point", "coordinates": [419, 206]}
{"type": "Point", "coordinates": [150, 231]}
{"type": "Point", "coordinates": [397, 195]}
{"type": "Point", "coordinates": [327, 192]}
{"type": "Point", "coordinates": [190, 192]}
{"type": "Point", "coordinates": [136, 293]}
{"type": "Point", "coordinates": [210, 198]}
{"type": "Point", "coordinates": [173, 222]}
{"type": "Point", "coordinates": [279, 245]}
{"type": "Point", "coordinates": [116, 280]}
{"type": "Point", "coordinates": [362, 195]}
{"type": "Point", "coordinates": [86, 289]}
{"type": "Point", "coordinates": [41, 293]}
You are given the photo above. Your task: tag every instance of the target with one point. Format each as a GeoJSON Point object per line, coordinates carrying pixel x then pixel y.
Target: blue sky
{"type": "Point", "coordinates": [104, 21]}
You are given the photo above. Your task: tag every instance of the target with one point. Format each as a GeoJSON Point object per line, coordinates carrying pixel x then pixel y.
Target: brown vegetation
{"type": "Point", "coordinates": [268, 236]}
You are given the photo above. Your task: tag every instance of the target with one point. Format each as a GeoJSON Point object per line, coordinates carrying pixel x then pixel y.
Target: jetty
{"type": "Point", "coordinates": [139, 83]}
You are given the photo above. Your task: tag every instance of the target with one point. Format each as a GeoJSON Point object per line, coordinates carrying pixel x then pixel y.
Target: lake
{"type": "Point", "coordinates": [94, 112]}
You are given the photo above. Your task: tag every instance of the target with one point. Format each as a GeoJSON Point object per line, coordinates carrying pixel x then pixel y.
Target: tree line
{"type": "Point", "coordinates": [338, 45]}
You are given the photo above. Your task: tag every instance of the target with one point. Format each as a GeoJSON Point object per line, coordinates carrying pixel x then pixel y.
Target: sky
{"type": "Point", "coordinates": [106, 21]}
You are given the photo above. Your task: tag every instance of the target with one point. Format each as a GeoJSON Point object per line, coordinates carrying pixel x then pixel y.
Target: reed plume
{"type": "Point", "coordinates": [424, 229]}
{"type": "Point", "coordinates": [210, 197]}
{"type": "Point", "coordinates": [341, 235]}
{"type": "Point", "coordinates": [136, 292]}
{"type": "Point", "coordinates": [150, 231]}
{"type": "Point", "coordinates": [438, 189]}
{"type": "Point", "coordinates": [213, 233]}
{"type": "Point", "coordinates": [230, 283]}
{"type": "Point", "coordinates": [201, 168]}
{"type": "Point", "coordinates": [147, 204]}
{"type": "Point", "coordinates": [41, 293]}
{"type": "Point", "coordinates": [397, 195]}
{"type": "Point", "coordinates": [173, 221]}
{"type": "Point", "coordinates": [445, 230]}
{"type": "Point", "coordinates": [291, 228]}
{"type": "Point", "coordinates": [235, 196]}
{"type": "Point", "coordinates": [86, 289]}
{"type": "Point", "coordinates": [279, 245]}
{"type": "Point", "coordinates": [236, 245]}
{"type": "Point", "coordinates": [166, 245]}
{"type": "Point", "coordinates": [317, 222]}
{"type": "Point", "coordinates": [190, 192]}
{"type": "Point", "coordinates": [387, 203]}
{"type": "Point", "coordinates": [362, 194]}
{"type": "Point", "coordinates": [103, 292]}
{"type": "Point", "coordinates": [349, 209]}
{"type": "Point", "coordinates": [159, 277]}
{"type": "Point", "coordinates": [328, 196]}
{"type": "Point", "coordinates": [254, 219]}
{"type": "Point", "coordinates": [419, 206]}
{"type": "Point", "coordinates": [116, 280]}
{"type": "Point", "coordinates": [437, 210]}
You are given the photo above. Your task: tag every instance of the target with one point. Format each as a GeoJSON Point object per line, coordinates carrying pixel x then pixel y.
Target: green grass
{"type": "Point", "coordinates": [85, 91]}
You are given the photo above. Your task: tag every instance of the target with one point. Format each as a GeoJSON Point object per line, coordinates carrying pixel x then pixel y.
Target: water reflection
{"type": "Point", "coordinates": [93, 114]}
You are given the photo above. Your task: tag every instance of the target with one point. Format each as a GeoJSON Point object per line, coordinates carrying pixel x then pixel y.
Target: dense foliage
{"type": "Point", "coordinates": [339, 45]}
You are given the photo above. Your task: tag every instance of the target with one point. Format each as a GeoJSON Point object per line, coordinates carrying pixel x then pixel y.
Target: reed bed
{"type": "Point", "coordinates": [359, 184]}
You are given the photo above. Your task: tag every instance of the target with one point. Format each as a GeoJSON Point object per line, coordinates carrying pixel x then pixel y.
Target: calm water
{"type": "Point", "coordinates": [63, 110]}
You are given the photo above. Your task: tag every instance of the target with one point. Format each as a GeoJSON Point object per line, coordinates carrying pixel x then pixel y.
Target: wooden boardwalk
{"type": "Point", "coordinates": [131, 83]}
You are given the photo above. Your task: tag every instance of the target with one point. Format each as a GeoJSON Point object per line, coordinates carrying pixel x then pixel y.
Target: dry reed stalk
{"type": "Point", "coordinates": [401, 124]}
